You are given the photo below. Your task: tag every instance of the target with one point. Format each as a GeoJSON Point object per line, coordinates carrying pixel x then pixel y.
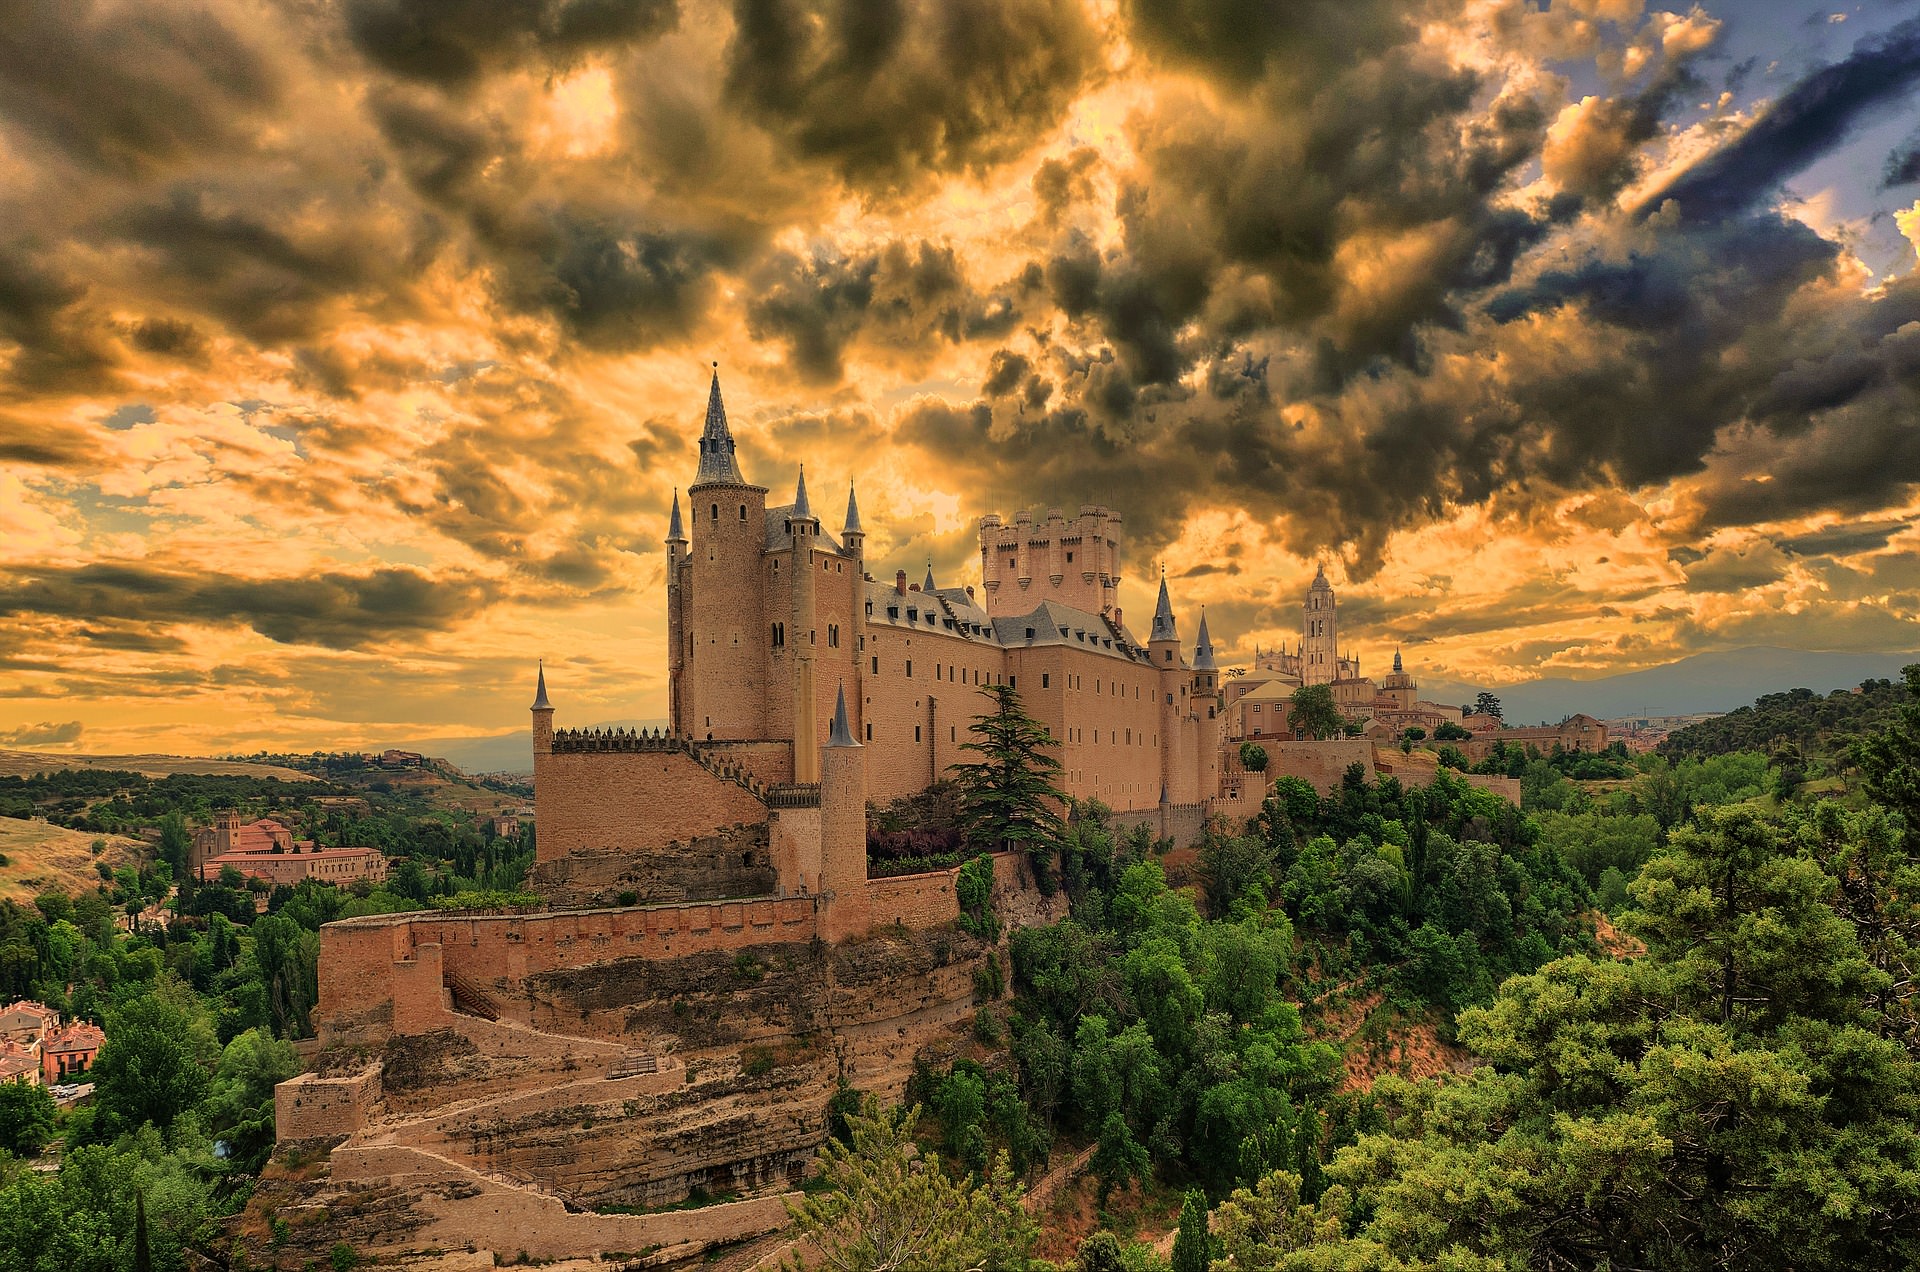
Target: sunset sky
{"type": "Point", "coordinates": [351, 350]}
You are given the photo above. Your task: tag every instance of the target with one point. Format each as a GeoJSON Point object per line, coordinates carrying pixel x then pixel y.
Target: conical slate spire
{"type": "Point", "coordinates": [841, 735]}
{"type": "Point", "coordinates": [1397, 668]}
{"type": "Point", "coordinates": [1203, 650]}
{"type": "Point", "coordinates": [1163, 628]}
{"type": "Point", "coordinates": [853, 514]}
{"type": "Point", "coordinates": [928, 586]}
{"type": "Point", "coordinates": [540, 702]}
{"type": "Point", "coordinates": [717, 464]}
{"type": "Point", "coordinates": [675, 532]}
{"type": "Point", "coordinates": [801, 508]}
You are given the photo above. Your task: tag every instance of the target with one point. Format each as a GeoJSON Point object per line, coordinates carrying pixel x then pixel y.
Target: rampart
{"type": "Point", "coordinates": [634, 793]}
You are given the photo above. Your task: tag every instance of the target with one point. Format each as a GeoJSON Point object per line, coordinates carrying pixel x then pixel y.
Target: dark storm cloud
{"type": "Point", "coordinates": [905, 295]}
{"type": "Point", "coordinates": [48, 733]}
{"type": "Point", "coordinates": [453, 42]}
{"type": "Point", "coordinates": [616, 278]}
{"type": "Point", "coordinates": [1846, 539]}
{"type": "Point", "coordinates": [129, 85]}
{"type": "Point", "coordinates": [337, 610]}
{"type": "Point", "coordinates": [884, 91]}
{"type": "Point", "coordinates": [1808, 121]}
{"type": "Point", "coordinates": [1903, 166]}
{"type": "Point", "coordinates": [1244, 38]}
{"type": "Point", "coordinates": [58, 344]}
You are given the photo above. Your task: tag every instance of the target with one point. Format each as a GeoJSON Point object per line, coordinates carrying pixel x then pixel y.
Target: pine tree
{"type": "Point", "coordinates": [1009, 796]}
{"type": "Point", "coordinates": [1891, 760]}
{"type": "Point", "coordinates": [1193, 1245]}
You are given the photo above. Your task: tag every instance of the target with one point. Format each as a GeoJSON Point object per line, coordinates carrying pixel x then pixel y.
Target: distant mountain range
{"type": "Point", "coordinates": [1700, 683]}
{"type": "Point", "coordinates": [503, 752]}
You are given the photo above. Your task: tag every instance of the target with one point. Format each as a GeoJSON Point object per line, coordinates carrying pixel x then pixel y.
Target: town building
{"type": "Point", "coordinates": [266, 849]}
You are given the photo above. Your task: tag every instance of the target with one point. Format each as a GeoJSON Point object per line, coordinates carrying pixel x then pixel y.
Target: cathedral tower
{"type": "Point", "coordinates": [1320, 633]}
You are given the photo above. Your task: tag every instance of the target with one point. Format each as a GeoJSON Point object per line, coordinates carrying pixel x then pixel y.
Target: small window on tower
{"type": "Point", "coordinates": [716, 512]}
{"type": "Point", "coordinates": [743, 512]}
{"type": "Point", "coordinates": [876, 664]}
{"type": "Point", "coordinates": [1069, 558]}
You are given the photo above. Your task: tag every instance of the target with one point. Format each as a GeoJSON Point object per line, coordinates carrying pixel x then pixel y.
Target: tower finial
{"type": "Point", "coordinates": [841, 734]}
{"type": "Point", "coordinates": [717, 464]}
{"type": "Point", "coordinates": [1163, 627]}
{"type": "Point", "coordinates": [540, 702]}
{"type": "Point", "coordinates": [801, 506]}
{"type": "Point", "coordinates": [853, 514]}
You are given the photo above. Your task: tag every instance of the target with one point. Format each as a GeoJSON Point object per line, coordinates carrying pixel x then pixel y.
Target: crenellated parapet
{"type": "Point", "coordinates": [573, 741]}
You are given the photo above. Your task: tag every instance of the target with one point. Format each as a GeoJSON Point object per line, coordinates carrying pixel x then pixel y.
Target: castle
{"type": "Point", "coordinates": [812, 688]}
{"type": "Point", "coordinates": [710, 961]}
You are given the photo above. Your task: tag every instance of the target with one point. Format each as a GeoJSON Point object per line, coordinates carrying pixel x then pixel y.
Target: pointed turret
{"type": "Point", "coordinates": [540, 702]}
{"type": "Point", "coordinates": [801, 506]}
{"type": "Point", "coordinates": [717, 464]}
{"type": "Point", "coordinates": [841, 734]}
{"type": "Point", "coordinates": [853, 514]}
{"type": "Point", "coordinates": [676, 533]}
{"type": "Point", "coordinates": [1397, 668]}
{"type": "Point", "coordinates": [1163, 628]}
{"type": "Point", "coordinates": [1203, 649]}
{"type": "Point", "coordinates": [928, 586]}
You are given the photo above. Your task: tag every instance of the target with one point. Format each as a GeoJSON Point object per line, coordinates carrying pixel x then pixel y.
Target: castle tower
{"type": "Point", "coordinates": [726, 661]}
{"type": "Point", "coordinates": [802, 632]}
{"type": "Point", "coordinates": [851, 534]}
{"type": "Point", "coordinates": [677, 554]}
{"type": "Point", "coordinates": [843, 829]}
{"type": "Point", "coordinates": [542, 716]}
{"type": "Point", "coordinates": [1076, 563]}
{"type": "Point", "coordinates": [1163, 646]}
{"type": "Point", "coordinates": [1320, 631]}
{"type": "Point", "coordinates": [1206, 671]}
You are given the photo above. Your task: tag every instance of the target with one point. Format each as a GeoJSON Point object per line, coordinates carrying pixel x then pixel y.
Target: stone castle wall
{"type": "Point", "coordinates": [633, 801]}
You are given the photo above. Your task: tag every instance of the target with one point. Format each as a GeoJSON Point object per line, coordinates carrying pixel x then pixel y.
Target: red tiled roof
{"type": "Point", "coordinates": [79, 1036]}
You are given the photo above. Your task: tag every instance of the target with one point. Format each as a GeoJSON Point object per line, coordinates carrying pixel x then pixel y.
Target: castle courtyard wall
{"type": "Point", "coordinates": [632, 801]}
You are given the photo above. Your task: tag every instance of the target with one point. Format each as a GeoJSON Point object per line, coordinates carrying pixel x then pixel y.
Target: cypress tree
{"type": "Point", "coordinates": [1193, 1244]}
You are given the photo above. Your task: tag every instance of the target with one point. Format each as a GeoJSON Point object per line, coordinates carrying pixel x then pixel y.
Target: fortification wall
{"type": "Point", "coordinates": [771, 763]}
{"type": "Point", "coordinates": [315, 1106]}
{"type": "Point", "coordinates": [1321, 764]}
{"type": "Point", "coordinates": [738, 861]}
{"type": "Point", "coordinates": [632, 801]}
{"type": "Point", "coordinates": [1182, 823]}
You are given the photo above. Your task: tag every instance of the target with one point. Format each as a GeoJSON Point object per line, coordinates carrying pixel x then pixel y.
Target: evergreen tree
{"type": "Point", "coordinates": [1890, 759]}
{"type": "Point", "coordinates": [1193, 1245]}
{"type": "Point", "coordinates": [1009, 796]}
{"type": "Point", "coordinates": [886, 1207]}
{"type": "Point", "coordinates": [1485, 703]}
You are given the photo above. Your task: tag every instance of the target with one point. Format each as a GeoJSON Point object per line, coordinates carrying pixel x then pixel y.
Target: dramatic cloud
{"type": "Point", "coordinates": [45, 734]}
{"type": "Point", "coordinates": [350, 353]}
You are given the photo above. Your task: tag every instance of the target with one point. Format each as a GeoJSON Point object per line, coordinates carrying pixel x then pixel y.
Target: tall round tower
{"type": "Point", "coordinates": [727, 634]}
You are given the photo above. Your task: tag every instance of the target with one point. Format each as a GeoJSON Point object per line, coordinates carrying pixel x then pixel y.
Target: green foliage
{"type": "Point", "coordinates": [973, 889]}
{"type": "Point", "coordinates": [1253, 757]}
{"type": "Point", "coordinates": [1890, 758]}
{"type": "Point", "coordinates": [153, 1066]}
{"type": "Point", "coordinates": [1677, 1110]}
{"type": "Point", "coordinates": [1193, 1244]}
{"type": "Point", "coordinates": [1485, 703]}
{"type": "Point", "coordinates": [26, 1117]}
{"type": "Point", "coordinates": [1822, 726]}
{"type": "Point", "coordinates": [1451, 732]}
{"type": "Point", "coordinates": [1009, 797]}
{"type": "Point", "coordinates": [884, 1205]}
{"type": "Point", "coordinates": [343, 1257]}
{"type": "Point", "coordinates": [1313, 712]}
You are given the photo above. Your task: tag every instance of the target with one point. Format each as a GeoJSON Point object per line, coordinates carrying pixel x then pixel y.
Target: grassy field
{"type": "Point", "coordinates": [40, 856]}
{"type": "Point", "coordinates": [26, 763]}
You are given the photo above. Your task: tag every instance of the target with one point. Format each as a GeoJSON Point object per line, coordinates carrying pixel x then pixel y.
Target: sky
{"type": "Point", "coordinates": [351, 350]}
